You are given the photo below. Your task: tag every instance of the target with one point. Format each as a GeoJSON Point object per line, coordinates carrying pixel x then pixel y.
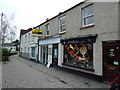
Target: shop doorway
{"type": "Point", "coordinates": [55, 55]}
{"type": "Point", "coordinates": [44, 54]}
{"type": "Point", "coordinates": [111, 59]}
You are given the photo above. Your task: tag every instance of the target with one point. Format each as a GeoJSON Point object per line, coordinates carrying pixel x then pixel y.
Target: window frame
{"type": "Point", "coordinates": [28, 37]}
{"type": "Point", "coordinates": [47, 27]}
{"type": "Point", "coordinates": [61, 31]}
{"type": "Point", "coordinates": [87, 16]}
{"type": "Point", "coordinates": [89, 51]}
{"type": "Point", "coordinates": [33, 52]}
{"type": "Point", "coordinates": [25, 38]}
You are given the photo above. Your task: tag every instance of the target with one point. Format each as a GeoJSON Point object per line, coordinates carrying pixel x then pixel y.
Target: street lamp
{"type": "Point", "coordinates": [1, 30]}
{"type": "Point", "coordinates": [1, 38]}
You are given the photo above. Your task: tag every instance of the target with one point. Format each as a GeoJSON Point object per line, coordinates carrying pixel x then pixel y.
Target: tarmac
{"type": "Point", "coordinates": [23, 73]}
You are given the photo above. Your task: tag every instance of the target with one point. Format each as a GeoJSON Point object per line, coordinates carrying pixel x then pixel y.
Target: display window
{"type": "Point", "coordinates": [80, 55]}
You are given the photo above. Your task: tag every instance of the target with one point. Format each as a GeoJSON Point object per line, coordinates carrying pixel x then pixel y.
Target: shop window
{"type": "Point", "coordinates": [80, 55]}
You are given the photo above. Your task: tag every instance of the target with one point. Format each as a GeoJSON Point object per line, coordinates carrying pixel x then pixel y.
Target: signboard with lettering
{"type": "Point", "coordinates": [83, 40]}
{"type": "Point", "coordinates": [37, 32]}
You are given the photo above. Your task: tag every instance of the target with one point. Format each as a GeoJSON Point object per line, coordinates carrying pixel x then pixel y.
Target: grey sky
{"type": "Point", "coordinates": [30, 13]}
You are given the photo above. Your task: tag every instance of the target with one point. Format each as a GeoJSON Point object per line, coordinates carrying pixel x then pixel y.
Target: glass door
{"type": "Point", "coordinates": [44, 54]}
{"type": "Point", "coordinates": [55, 55]}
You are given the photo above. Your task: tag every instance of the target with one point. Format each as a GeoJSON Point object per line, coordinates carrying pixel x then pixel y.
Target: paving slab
{"type": "Point", "coordinates": [23, 73]}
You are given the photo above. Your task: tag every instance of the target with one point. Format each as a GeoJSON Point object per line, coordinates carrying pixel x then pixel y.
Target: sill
{"type": "Point", "coordinates": [47, 35]}
{"type": "Point", "coordinates": [33, 57]}
{"type": "Point", "coordinates": [87, 27]}
{"type": "Point", "coordinates": [88, 69]}
{"type": "Point", "coordinates": [62, 32]}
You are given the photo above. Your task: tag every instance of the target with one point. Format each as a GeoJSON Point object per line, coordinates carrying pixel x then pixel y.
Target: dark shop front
{"type": "Point", "coordinates": [78, 52]}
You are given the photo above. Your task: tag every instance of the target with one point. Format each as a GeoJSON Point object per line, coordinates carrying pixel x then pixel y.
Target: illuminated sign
{"type": "Point", "coordinates": [37, 32]}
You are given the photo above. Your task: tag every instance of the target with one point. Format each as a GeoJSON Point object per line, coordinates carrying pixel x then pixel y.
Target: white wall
{"type": "Point", "coordinates": [60, 54]}
{"type": "Point", "coordinates": [26, 42]}
{"type": "Point", "coordinates": [50, 55]}
{"type": "Point", "coordinates": [9, 48]}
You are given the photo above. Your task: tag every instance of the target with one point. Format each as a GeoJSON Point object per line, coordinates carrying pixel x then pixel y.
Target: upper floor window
{"type": "Point", "coordinates": [62, 24]}
{"type": "Point", "coordinates": [47, 29]}
{"type": "Point", "coordinates": [29, 37]}
{"type": "Point", "coordinates": [25, 38]}
{"type": "Point", "coordinates": [25, 49]}
{"type": "Point", "coordinates": [87, 16]}
{"type": "Point", "coordinates": [33, 38]}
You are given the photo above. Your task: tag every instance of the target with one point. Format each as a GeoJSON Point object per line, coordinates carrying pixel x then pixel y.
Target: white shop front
{"type": "Point", "coordinates": [48, 51]}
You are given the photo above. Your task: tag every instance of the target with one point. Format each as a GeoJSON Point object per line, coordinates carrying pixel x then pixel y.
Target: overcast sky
{"type": "Point", "coordinates": [30, 13]}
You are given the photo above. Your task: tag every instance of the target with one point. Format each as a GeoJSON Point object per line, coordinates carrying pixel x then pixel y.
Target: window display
{"type": "Point", "coordinates": [80, 55]}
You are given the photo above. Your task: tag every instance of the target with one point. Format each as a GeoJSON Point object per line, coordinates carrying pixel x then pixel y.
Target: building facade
{"type": "Point", "coordinates": [28, 45]}
{"type": "Point", "coordinates": [9, 47]}
{"type": "Point", "coordinates": [78, 37]}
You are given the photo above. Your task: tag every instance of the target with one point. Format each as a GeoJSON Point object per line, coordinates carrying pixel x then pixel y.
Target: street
{"type": "Point", "coordinates": [23, 73]}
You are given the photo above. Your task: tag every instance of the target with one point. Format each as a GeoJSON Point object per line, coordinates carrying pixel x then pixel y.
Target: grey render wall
{"type": "Point", "coordinates": [74, 23]}
{"type": "Point", "coordinates": [106, 26]}
{"type": "Point", "coordinates": [53, 27]}
{"type": "Point", "coordinates": [105, 18]}
{"type": "Point", "coordinates": [119, 20]}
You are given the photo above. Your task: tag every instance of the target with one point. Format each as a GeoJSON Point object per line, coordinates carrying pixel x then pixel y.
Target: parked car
{"type": "Point", "coordinates": [115, 84]}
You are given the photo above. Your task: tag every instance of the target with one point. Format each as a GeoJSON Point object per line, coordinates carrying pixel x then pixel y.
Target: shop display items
{"type": "Point", "coordinates": [79, 55]}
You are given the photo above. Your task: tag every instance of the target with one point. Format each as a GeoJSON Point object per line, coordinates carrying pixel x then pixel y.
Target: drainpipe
{"type": "Point", "coordinates": [38, 52]}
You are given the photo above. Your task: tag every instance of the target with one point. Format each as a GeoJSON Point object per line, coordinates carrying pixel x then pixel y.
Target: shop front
{"type": "Point", "coordinates": [55, 55]}
{"type": "Point", "coordinates": [78, 53]}
{"type": "Point", "coordinates": [48, 51]}
{"type": "Point", "coordinates": [44, 54]}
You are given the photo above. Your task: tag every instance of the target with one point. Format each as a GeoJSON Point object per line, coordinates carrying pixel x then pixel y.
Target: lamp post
{"type": "Point", "coordinates": [1, 38]}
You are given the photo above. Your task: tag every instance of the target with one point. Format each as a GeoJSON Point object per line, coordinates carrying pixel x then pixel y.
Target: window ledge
{"type": "Point", "coordinates": [62, 32]}
{"type": "Point", "coordinates": [87, 27]}
{"type": "Point", "coordinates": [89, 69]}
{"type": "Point", "coordinates": [47, 36]}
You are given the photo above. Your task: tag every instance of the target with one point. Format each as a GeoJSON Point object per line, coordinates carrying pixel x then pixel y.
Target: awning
{"type": "Point", "coordinates": [80, 40]}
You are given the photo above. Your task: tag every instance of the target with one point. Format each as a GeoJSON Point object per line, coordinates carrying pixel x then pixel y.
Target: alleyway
{"type": "Point", "coordinates": [22, 73]}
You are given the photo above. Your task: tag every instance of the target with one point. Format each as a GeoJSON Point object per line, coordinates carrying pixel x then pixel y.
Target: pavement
{"type": "Point", "coordinates": [23, 73]}
{"type": "Point", "coordinates": [0, 74]}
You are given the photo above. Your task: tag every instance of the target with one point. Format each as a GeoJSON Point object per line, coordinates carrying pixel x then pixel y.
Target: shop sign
{"type": "Point", "coordinates": [91, 39]}
{"type": "Point", "coordinates": [37, 32]}
{"type": "Point", "coordinates": [49, 41]}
